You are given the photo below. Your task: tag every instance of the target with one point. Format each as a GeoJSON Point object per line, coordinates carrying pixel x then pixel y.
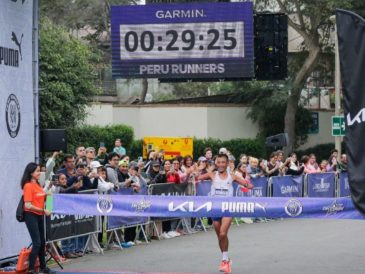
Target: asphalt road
{"type": "Point", "coordinates": [283, 246]}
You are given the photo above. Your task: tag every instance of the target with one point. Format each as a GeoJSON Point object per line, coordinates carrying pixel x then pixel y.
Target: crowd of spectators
{"type": "Point", "coordinates": [106, 172]}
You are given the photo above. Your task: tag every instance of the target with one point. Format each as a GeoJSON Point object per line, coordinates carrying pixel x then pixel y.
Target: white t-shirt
{"type": "Point", "coordinates": [220, 187]}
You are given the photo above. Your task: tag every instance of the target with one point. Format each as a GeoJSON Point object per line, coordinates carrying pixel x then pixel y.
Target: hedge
{"type": "Point", "coordinates": [91, 136]}
{"type": "Point", "coordinates": [322, 151]}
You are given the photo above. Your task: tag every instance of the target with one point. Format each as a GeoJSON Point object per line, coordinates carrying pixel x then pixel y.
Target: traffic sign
{"type": "Point", "coordinates": [338, 126]}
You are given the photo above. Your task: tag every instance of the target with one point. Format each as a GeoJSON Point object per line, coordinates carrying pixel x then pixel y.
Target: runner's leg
{"type": "Point", "coordinates": [223, 233]}
{"type": "Point", "coordinates": [217, 227]}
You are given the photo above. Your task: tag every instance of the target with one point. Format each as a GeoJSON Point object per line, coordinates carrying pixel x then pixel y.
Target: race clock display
{"type": "Point", "coordinates": [196, 40]}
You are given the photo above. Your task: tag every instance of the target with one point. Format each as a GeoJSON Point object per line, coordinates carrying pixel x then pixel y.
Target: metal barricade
{"type": "Point", "coordinates": [62, 227]}
{"type": "Point", "coordinates": [168, 190]}
{"type": "Point", "coordinates": [321, 185]}
{"type": "Point", "coordinates": [115, 223]}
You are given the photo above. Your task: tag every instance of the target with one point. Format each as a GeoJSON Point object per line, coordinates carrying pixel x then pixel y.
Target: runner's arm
{"type": "Point", "coordinates": [243, 182]}
{"type": "Point", "coordinates": [205, 176]}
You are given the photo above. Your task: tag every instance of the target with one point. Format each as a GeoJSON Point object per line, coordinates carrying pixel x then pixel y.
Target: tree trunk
{"type": "Point", "coordinates": [294, 97]}
{"type": "Point", "coordinates": [144, 90]}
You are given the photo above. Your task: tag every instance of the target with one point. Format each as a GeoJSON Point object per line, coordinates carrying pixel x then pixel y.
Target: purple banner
{"type": "Point", "coordinates": [344, 187]}
{"type": "Point", "coordinates": [260, 188]}
{"type": "Point", "coordinates": [287, 186]}
{"type": "Point", "coordinates": [321, 184]}
{"type": "Point", "coordinates": [183, 41]}
{"type": "Point", "coordinates": [194, 206]}
{"type": "Point", "coordinates": [118, 221]}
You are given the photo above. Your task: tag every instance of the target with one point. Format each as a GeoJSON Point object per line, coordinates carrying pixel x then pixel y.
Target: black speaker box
{"type": "Point", "coordinates": [53, 140]}
{"type": "Point", "coordinates": [280, 140]}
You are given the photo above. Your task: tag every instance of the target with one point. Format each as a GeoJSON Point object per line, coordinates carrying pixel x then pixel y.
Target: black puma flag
{"type": "Point", "coordinates": [351, 41]}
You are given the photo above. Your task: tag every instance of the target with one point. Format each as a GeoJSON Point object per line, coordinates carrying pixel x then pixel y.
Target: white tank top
{"type": "Point", "coordinates": [220, 187]}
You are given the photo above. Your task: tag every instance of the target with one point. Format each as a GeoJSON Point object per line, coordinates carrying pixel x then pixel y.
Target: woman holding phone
{"type": "Point", "coordinates": [34, 201]}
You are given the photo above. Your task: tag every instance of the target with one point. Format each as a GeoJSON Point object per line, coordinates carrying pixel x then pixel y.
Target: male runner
{"type": "Point", "coordinates": [222, 187]}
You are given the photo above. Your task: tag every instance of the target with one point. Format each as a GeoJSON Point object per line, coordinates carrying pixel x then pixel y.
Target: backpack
{"type": "Point", "coordinates": [20, 210]}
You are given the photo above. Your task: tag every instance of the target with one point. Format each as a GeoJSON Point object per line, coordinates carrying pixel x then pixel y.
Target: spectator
{"type": "Point", "coordinates": [187, 164]}
{"type": "Point", "coordinates": [343, 163]}
{"type": "Point", "coordinates": [223, 150]}
{"type": "Point", "coordinates": [263, 166]}
{"type": "Point", "coordinates": [324, 166]}
{"type": "Point", "coordinates": [293, 166]}
{"type": "Point", "coordinates": [244, 159]}
{"type": "Point", "coordinates": [90, 155]}
{"type": "Point", "coordinates": [202, 166]}
{"type": "Point", "coordinates": [122, 173]}
{"type": "Point", "coordinates": [241, 171]}
{"type": "Point", "coordinates": [332, 161]}
{"type": "Point", "coordinates": [254, 170]}
{"type": "Point", "coordinates": [118, 148]}
{"type": "Point", "coordinates": [154, 171]}
{"type": "Point", "coordinates": [60, 185]}
{"type": "Point", "coordinates": [68, 166]}
{"type": "Point", "coordinates": [80, 152]}
{"type": "Point", "coordinates": [311, 165]}
{"type": "Point", "coordinates": [111, 168]}
{"type": "Point", "coordinates": [172, 177]}
{"type": "Point", "coordinates": [101, 181]}
{"type": "Point", "coordinates": [273, 165]}
{"type": "Point", "coordinates": [34, 201]}
{"type": "Point", "coordinates": [208, 153]}
{"type": "Point", "coordinates": [152, 156]}
{"type": "Point", "coordinates": [231, 163]}
{"type": "Point", "coordinates": [102, 155]}
{"type": "Point", "coordinates": [178, 170]}
{"type": "Point", "coordinates": [81, 178]}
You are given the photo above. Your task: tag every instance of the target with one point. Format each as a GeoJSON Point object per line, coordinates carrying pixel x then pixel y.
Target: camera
{"type": "Point", "coordinates": [55, 177]}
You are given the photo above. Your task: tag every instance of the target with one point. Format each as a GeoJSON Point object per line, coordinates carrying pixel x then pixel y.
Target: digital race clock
{"type": "Point", "coordinates": [186, 41]}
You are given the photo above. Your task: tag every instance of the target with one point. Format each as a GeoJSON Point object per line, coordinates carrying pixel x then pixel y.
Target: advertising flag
{"type": "Point", "coordinates": [351, 43]}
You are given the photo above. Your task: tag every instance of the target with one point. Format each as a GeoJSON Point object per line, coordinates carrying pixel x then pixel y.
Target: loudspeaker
{"type": "Point", "coordinates": [280, 140]}
{"type": "Point", "coordinates": [53, 140]}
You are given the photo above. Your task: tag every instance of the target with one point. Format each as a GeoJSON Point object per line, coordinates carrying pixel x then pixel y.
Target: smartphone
{"type": "Point", "coordinates": [55, 177]}
{"type": "Point", "coordinates": [102, 144]}
{"type": "Point", "coordinates": [140, 159]}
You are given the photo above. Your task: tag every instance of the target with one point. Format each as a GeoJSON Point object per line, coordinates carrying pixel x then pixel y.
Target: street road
{"type": "Point", "coordinates": [282, 246]}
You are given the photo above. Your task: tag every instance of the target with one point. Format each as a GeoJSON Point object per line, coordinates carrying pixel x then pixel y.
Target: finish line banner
{"type": "Point", "coordinates": [194, 206]}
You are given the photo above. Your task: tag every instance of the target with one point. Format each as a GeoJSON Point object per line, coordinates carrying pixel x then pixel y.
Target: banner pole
{"type": "Point", "coordinates": [338, 139]}
{"type": "Point", "coordinates": [35, 61]}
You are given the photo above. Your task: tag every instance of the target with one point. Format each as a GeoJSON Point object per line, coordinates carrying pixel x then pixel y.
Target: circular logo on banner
{"type": "Point", "coordinates": [293, 208]}
{"type": "Point", "coordinates": [12, 115]}
{"type": "Point", "coordinates": [104, 204]}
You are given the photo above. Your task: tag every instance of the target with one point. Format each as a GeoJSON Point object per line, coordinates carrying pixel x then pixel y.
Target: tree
{"type": "Point", "coordinates": [311, 20]}
{"type": "Point", "coordinates": [67, 77]}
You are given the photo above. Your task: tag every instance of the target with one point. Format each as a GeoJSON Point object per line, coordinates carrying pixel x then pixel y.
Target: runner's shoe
{"type": "Point", "coordinates": [225, 266]}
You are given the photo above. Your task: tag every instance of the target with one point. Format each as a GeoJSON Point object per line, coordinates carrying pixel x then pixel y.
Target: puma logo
{"type": "Point", "coordinates": [14, 38]}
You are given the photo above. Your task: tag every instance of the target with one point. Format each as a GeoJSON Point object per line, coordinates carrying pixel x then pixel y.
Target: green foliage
{"type": "Point", "coordinates": [136, 149]}
{"type": "Point", "coordinates": [67, 79]}
{"type": "Point", "coordinates": [322, 151]}
{"type": "Point", "coordinates": [253, 147]}
{"type": "Point", "coordinates": [91, 136]}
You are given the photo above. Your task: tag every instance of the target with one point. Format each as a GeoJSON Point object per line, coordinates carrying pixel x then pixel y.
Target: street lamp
{"type": "Point", "coordinates": [337, 85]}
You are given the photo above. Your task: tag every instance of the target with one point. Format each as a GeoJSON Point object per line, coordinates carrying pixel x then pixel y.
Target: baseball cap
{"type": "Point", "coordinates": [202, 158]}
{"type": "Point", "coordinates": [223, 150]}
{"type": "Point", "coordinates": [155, 163]}
{"type": "Point", "coordinates": [95, 164]}
{"type": "Point", "coordinates": [123, 162]}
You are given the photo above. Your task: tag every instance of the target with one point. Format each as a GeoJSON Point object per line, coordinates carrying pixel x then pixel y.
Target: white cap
{"type": "Point", "coordinates": [95, 164]}
{"type": "Point", "coordinates": [223, 150]}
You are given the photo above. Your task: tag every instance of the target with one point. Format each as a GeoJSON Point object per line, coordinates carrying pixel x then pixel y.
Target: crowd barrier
{"type": "Point", "coordinates": [62, 227]}
{"type": "Point", "coordinates": [117, 223]}
{"type": "Point", "coordinates": [169, 190]}
{"type": "Point", "coordinates": [316, 185]}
